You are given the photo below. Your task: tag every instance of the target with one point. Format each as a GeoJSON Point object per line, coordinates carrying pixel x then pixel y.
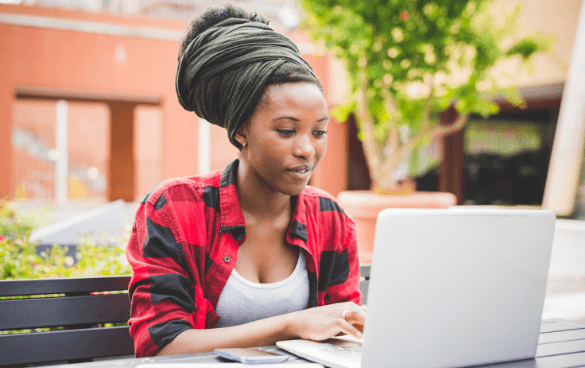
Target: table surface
{"type": "Point", "coordinates": [561, 344]}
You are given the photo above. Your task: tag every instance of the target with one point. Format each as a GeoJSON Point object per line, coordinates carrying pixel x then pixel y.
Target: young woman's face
{"type": "Point", "coordinates": [286, 136]}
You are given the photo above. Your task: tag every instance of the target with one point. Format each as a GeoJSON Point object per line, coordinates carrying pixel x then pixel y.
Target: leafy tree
{"type": "Point", "coordinates": [408, 60]}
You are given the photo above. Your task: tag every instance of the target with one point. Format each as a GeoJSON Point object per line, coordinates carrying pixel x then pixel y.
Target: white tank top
{"type": "Point", "coordinates": [243, 301]}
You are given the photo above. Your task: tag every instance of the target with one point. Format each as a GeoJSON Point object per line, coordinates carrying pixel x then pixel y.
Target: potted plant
{"type": "Point", "coordinates": [407, 61]}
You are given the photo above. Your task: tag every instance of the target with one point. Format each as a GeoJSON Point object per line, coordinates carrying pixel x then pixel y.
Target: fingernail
{"type": "Point", "coordinates": [359, 334]}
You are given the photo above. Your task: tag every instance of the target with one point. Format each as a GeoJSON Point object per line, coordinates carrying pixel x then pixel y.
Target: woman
{"type": "Point", "coordinates": [249, 255]}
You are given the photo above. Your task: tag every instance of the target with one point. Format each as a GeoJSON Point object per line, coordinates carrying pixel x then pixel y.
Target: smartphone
{"type": "Point", "coordinates": [251, 356]}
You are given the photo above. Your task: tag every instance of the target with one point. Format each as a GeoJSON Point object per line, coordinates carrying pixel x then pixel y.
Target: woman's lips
{"type": "Point", "coordinates": [301, 172]}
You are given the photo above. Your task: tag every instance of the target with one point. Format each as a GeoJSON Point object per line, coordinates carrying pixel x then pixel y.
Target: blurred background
{"type": "Point", "coordinates": [89, 116]}
{"type": "Point", "coordinates": [112, 62]}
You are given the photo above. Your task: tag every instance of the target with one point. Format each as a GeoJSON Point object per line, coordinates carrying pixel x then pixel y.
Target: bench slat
{"type": "Point", "coordinates": [63, 285]}
{"type": "Point", "coordinates": [63, 311]}
{"type": "Point", "coordinates": [65, 345]}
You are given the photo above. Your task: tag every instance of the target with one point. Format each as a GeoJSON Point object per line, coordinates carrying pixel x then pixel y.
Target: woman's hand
{"type": "Point", "coordinates": [321, 323]}
{"type": "Point", "coordinates": [317, 323]}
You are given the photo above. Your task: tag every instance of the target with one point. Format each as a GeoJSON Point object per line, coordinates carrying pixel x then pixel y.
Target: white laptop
{"type": "Point", "coordinates": [449, 288]}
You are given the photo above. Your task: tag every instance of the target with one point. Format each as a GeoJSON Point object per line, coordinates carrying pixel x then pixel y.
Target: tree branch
{"type": "Point", "coordinates": [438, 131]}
{"type": "Point", "coordinates": [368, 129]}
{"type": "Point", "coordinates": [398, 155]}
{"type": "Point", "coordinates": [427, 108]}
{"type": "Point", "coordinates": [392, 141]}
{"type": "Point", "coordinates": [443, 131]}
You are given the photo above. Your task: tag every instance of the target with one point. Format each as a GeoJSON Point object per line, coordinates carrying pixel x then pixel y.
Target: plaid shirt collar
{"type": "Point", "coordinates": [232, 217]}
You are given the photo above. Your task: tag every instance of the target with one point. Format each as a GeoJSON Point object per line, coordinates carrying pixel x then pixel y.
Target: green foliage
{"type": "Point", "coordinates": [18, 223]}
{"type": "Point", "coordinates": [19, 259]}
{"type": "Point", "coordinates": [524, 48]}
{"type": "Point", "coordinates": [434, 53]}
{"type": "Point", "coordinates": [103, 260]}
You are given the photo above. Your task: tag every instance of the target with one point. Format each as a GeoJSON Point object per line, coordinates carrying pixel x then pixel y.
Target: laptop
{"type": "Point", "coordinates": [448, 288]}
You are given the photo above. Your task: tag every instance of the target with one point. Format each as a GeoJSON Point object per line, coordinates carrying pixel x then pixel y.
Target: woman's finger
{"type": "Point", "coordinates": [349, 329]}
{"type": "Point", "coordinates": [356, 315]}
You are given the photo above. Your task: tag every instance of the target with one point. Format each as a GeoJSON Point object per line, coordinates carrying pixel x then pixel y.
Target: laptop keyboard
{"type": "Point", "coordinates": [340, 352]}
{"type": "Point", "coordinates": [347, 350]}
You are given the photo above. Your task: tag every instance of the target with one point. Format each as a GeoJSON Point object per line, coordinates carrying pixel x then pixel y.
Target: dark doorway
{"type": "Point", "coordinates": [506, 157]}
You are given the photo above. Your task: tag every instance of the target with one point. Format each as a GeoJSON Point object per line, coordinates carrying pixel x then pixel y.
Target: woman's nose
{"type": "Point", "coordinates": [304, 146]}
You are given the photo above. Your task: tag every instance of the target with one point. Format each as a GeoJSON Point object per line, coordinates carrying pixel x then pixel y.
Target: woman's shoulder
{"type": "Point", "coordinates": [321, 201]}
{"type": "Point", "coordinates": [323, 213]}
{"type": "Point", "coordinates": [313, 192]}
{"type": "Point", "coordinates": [181, 187]}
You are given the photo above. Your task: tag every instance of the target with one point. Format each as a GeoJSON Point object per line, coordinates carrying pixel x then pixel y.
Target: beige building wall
{"type": "Point", "coordinates": [555, 20]}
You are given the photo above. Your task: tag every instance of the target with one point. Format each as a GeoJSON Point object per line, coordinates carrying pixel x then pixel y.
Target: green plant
{"type": "Point", "coordinates": [18, 223]}
{"type": "Point", "coordinates": [103, 260]}
{"type": "Point", "coordinates": [19, 258]}
{"type": "Point", "coordinates": [408, 60]}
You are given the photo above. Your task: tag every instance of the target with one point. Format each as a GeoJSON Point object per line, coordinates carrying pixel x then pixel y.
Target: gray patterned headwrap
{"type": "Point", "coordinates": [223, 72]}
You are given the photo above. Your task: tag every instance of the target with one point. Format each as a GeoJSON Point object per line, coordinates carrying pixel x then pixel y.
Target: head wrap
{"type": "Point", "coordinates": [223, 72]}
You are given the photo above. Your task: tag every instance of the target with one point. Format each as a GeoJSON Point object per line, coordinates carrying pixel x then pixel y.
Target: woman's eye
{"type": "Point", "coordinates": [320, 133]}
{"type": "Point", "coordinates": [286, 131]}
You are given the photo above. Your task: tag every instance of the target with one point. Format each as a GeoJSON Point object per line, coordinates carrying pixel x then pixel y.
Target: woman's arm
{"type": "Point", "coordinates": [313, 324]}
{"type": "Point", "coordinates": [165, 289]}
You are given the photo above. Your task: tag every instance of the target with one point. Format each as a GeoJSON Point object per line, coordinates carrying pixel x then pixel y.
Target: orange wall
{"type": "Point", "coordinates": [148, 149]}
{"type": "Point", "coordinates": [33, 177]}
{"type": "Point", "coordinates": [87, 123]}
{"type": "Point", "coordinates": [74, 60]}
{"type": "Point", "coordinates": [6, 154]}
{"type": "Point", "coordinates": [332, 171]}
{"type": "Point", "coordinates": [37, 116]}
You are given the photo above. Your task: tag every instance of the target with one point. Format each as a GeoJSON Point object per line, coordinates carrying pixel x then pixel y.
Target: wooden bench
{"type": "Point", "coordinates": [78, 311]}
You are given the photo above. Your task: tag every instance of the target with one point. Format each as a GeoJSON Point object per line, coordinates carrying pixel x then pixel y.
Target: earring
{"type": "Point", "coordinates": [244, 144]}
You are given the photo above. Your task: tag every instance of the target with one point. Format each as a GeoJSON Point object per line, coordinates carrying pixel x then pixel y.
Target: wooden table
{"type": "Point", "coordinates": [561, 345]}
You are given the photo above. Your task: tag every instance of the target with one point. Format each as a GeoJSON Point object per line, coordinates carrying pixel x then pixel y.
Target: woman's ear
{"type": "Point", "coordinates": [241, 134]}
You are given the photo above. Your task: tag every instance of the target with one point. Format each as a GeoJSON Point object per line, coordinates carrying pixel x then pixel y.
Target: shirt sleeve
{"type": "Point", "coordinates": [161, 288]}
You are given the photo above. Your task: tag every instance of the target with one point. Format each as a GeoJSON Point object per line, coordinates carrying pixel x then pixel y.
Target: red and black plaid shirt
{"type": "Point", "coordinates": [184, 245]}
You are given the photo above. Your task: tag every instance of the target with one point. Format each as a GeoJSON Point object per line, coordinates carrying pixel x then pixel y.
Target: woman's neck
{"type": "Point", "coordinates": [257, 198]}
